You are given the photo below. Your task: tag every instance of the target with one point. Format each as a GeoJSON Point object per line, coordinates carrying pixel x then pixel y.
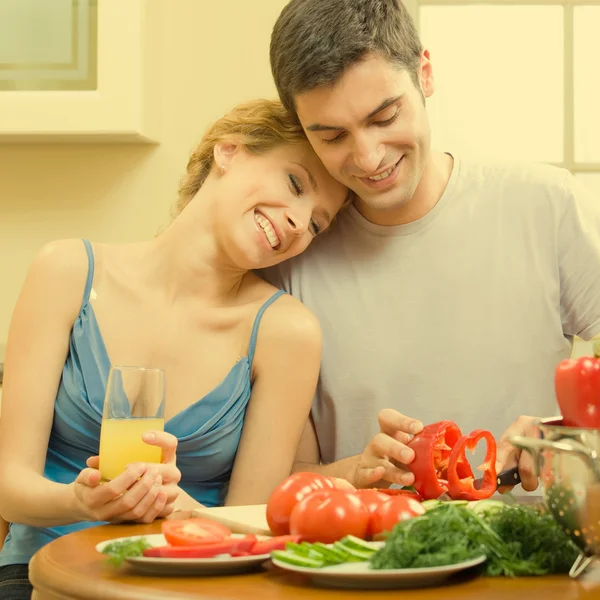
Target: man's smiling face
{"type": "Point", "coordinates": [371, 130]}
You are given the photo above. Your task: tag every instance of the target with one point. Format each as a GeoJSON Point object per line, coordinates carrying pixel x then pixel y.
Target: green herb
{"type": "Point", "coordinates": [536, 536]}
{"type": "Point", "coordinates": [118, 551]}
{"type": "Point", "coordinates": [517, 540]}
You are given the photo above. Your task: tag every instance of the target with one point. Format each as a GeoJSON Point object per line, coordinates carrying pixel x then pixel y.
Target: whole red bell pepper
{"type": "Point", "coordinates": [577, 387]}
{"type": "Point", "coordinates": [460, 485]}
{"type": "Point", "coordinates": [432, 447]}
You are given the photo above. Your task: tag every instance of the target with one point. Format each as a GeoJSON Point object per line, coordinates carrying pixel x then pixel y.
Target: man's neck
{"type": "Point", "coordinates": [430, 189]}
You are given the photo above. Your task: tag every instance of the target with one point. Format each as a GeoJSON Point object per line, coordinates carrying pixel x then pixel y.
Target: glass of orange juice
{"type": "Point", "coordinates": [134, 403]}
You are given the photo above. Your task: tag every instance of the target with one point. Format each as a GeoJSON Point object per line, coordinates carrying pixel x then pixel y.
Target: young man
{"type": "Point", "coordinates": [451, 289]}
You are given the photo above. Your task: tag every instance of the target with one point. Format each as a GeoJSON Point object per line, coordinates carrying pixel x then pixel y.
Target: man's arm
{"type": "Point", "coordinates": [383, 461]}
{"type": "Point", "coordinates": [308, 457]}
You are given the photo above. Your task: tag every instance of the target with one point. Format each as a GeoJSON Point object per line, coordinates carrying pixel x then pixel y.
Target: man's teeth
{"type": "Point", "coordinates": [266, 227]}
{"type": "Point", "coordinates": [382, 175]}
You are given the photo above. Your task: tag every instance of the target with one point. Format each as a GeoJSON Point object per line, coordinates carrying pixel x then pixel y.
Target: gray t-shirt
{"type": "Point", "coordinates": [461, 315]}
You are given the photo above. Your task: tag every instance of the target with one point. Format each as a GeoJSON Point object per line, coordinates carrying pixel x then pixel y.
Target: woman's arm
{"type": "Point", "coordinates": [3, 531]}
{"type": "Point", "coordinates": [286, 368]}
{"type": "Point", "coordinates": [38, 345]}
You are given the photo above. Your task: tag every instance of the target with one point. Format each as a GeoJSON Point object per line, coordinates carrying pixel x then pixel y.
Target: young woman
{"type": "Point", "coordinates": [188, 302]}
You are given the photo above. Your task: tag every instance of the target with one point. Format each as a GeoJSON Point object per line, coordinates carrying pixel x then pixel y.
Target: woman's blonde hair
{"type": "Point", "coordinates": [259, 125]}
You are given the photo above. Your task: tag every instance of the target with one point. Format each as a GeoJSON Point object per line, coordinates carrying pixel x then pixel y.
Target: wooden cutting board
{"type": "Point", "coordinates": [240, 519]}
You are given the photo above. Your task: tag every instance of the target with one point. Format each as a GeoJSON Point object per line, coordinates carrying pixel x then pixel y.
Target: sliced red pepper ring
{"type": "Point", "coordinates": [432, 448]}
{"type": "Point", "coordinates": [460, 483]}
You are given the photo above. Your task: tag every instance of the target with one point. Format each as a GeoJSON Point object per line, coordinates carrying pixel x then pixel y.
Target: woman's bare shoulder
{"type": "Point", "coordinates": [288, 320]}
{"type": "Point", "coordinates": [60, 269]}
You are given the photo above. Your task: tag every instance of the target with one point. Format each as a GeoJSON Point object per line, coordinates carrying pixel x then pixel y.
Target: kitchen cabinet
{"type": "Point", "coordinates": [80, 71]}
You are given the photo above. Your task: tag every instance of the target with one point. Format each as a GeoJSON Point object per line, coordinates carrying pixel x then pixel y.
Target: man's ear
{"type": "Point", "coordinates": [426, 75]}
{"type": "Point", "coordinates": [224, 153]}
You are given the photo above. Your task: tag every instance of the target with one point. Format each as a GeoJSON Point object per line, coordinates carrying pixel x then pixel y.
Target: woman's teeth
{"type": "Point", "coordinates": [382, 175]}
{"type": "Point", "coordinates": [268, 229]}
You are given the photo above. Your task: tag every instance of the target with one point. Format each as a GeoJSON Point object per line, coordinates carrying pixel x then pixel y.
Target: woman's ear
{"type": "Point", "coordinates": [224, 153]}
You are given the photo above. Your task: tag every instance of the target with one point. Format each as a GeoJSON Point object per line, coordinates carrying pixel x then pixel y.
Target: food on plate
{"type": "Point", "coordinates": [233, 546]}
{"type": "Point", "coordinates": [118, 551]}
{"type": "Point", "coordinates": [337, 510]}
{"type": "Point", "coordinates": [317, 555]}
{"type": "Point", "coordinates": [193, 532]}
{"type": "Point", "coordinates": [287, 494]}
{"type": "Point", "coordinates": [372, 499]}
{"type": "Point", "coordinates": [407, 492]}
{"type": "Point", "coordinates": [436, 459]}
{"type": "Point", "coordinates": [329, 515]}
{"type": "Point", "coordinates": [577, 388]}
{"type": "Point", "coordinates": [388, 514]}
{"type": "Point", "coordinates": [517, 540]}
{"type": "Point", "coordinates": [196, 538]}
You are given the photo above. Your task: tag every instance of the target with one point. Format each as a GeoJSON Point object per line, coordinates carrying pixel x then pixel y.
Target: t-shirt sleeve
{"type": "Point", "coordinates": [579, 260]}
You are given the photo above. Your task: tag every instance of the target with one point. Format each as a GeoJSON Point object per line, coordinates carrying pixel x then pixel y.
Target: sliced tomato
{"type": "Point", "coordinates": [203, 551]}
{"type": "Point", "coordinates": [193, 532]}
{"type": "Point", "coordinates": [275, 543]}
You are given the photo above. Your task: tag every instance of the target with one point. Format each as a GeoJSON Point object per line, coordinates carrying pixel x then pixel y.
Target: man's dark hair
{"type": "Point", "coordinates": [315, 41]}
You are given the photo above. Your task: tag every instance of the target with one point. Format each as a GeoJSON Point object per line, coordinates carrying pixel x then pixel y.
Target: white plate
{"type": "Point", "coordinates": [359, 575]}
{"type": "Point", "coordinates": [187, 566]}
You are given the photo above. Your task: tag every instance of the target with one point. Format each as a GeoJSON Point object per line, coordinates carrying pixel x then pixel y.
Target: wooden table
{"type": "Point", "coordinates": [70, 568]}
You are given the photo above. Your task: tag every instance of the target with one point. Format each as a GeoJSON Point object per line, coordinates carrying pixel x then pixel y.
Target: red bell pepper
{"type": "Point", "coordinates": [460, 485]}
{"type": "Point", "coordinates": [203, 551]}
{"type": "Point", "coordinates": [275, 543]}
{"type": "Point", "coordinates": [577, 387]}
{"type": "Point", "coordinates": [432, 448]}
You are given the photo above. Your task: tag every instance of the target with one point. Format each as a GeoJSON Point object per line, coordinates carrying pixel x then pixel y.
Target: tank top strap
{"type": "Point", "coordinates": [259, 315]}
{"type": "Point", "coordinates": [90, 275]}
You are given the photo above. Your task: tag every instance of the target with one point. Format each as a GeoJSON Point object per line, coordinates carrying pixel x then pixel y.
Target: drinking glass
{"type": "Point", "coordinates": [134, 403]}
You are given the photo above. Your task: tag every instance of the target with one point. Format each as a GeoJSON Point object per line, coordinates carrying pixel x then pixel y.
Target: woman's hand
{"type": "Point", "coordinates": [144, 492]}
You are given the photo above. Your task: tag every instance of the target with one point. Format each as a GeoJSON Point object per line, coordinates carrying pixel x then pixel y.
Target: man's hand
{"type": "Point", "coordinates": [509, 456]}
{"type": "Point", "coordinates": [386, 456]}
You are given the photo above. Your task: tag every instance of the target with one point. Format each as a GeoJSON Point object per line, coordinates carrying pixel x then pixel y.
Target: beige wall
{"type": "Point", "coordinates": [215, 55]}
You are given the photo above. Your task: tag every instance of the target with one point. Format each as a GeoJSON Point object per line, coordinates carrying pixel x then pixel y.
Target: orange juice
{"type": "Point", "coordinates": [121, 443]}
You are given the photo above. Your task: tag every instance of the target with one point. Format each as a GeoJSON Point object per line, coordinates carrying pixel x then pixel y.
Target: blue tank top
{"type": "Point", "coordinates": [208, 431]}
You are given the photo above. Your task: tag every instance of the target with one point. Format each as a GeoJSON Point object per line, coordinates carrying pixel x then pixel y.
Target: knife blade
{"type": "Point", "coordinates": [506, 477]}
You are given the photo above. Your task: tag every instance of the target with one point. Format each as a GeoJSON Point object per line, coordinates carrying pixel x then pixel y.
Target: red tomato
{"type": "Point", "coordinates": [399, 492]}
{"type": "Point", "coordinates": [194, 532]}
{"type": "Point", "coordinates": [329, 515]}
{"type": "Point", "coordinates": [398, 508]}
{"type": "Point", "coordinates": [276, 543]}
{"type": "Point", "coordinates": [341, 484]}
{"type": "Point", "coordinates": [372, 499]}
{"type": "Point", "coordinates": [287, 494]}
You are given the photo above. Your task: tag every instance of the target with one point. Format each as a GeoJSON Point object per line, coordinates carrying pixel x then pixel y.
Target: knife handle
{"type": "Point", "coordinates": [508, 477]}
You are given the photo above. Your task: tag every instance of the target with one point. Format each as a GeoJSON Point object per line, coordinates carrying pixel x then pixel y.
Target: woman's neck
{"type": "Point", "coordinates": [187, 260]}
